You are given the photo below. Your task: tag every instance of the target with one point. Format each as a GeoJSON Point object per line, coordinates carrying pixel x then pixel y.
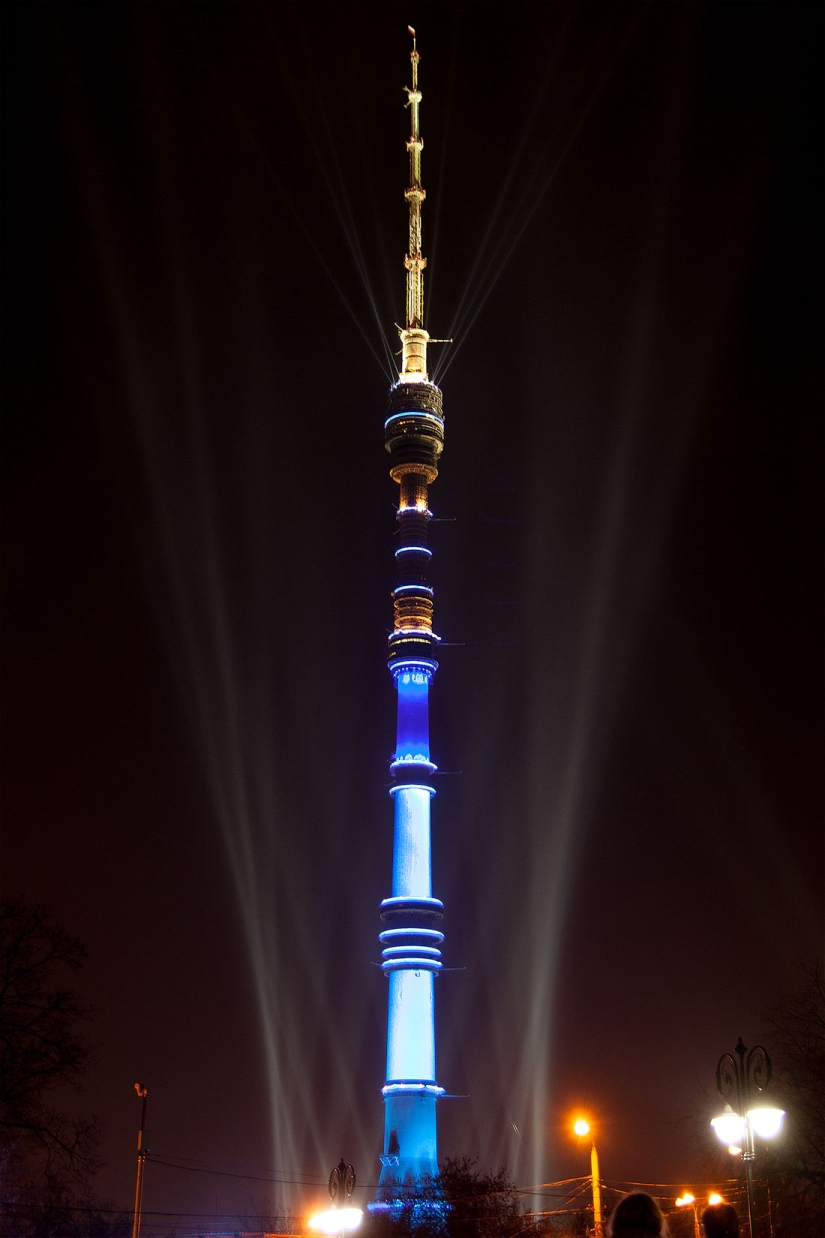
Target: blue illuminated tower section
{"type": "Point", "coordinates": [411, 939]}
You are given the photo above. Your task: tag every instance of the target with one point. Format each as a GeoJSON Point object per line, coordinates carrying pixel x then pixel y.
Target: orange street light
{"type": "Point", "coordinates": [689, 1201]}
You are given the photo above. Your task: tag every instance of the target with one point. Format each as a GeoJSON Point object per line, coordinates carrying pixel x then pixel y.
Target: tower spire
{"type": "Point", "coordinates": [414, 337]}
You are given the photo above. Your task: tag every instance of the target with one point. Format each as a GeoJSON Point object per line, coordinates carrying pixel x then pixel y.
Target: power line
{"type": "Point", "coordinates": [226, 1173]}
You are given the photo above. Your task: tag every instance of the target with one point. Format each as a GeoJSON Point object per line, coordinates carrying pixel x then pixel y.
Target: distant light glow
{"type": "Point", "coordinates": [336, 1220]}
{"type": "Point", "coordinates": [766, 1122]}
{"type": "Point", "coordinates": [715, 1199]}
{"type": "Point", "coordinates": [734, 1150]}
{"type": "Point", "coordinates": [581, 1127]}
{"type": "Point", "coordinates": [684, 1201]}
{"type": "Point", "coordinates": [406, 589]}
{"type": "Point", "coordinates": [422, 550]}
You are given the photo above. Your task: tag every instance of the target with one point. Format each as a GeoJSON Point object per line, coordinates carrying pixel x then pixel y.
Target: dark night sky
{"type": "Point", "coordinates": [204, 228]}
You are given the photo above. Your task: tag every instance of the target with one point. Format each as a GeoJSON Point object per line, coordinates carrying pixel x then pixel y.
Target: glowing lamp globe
{"type": "Point", "coordinates": [684, 1201]}
{"type": "Point", "coordinates": [580, 1127]}
{"type": "Point", "coordinates": [336, 1220]}
{"type": "Point", "coordinates": [729, 1127]}
{"type": "Point", "coordinates": [766, 1122]}
{"type": "Point", "coordinates": [715, 1199]}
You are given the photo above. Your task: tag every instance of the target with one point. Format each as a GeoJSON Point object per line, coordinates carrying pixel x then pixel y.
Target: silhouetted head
{"type": "Point", "coordinates": [638, 1216]}
{"type": "Point", "coordinates": [720, 1221]}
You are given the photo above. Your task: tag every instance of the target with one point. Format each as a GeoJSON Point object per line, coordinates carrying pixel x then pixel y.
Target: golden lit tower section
{"type": "Point", "coordinates": [411, 940]}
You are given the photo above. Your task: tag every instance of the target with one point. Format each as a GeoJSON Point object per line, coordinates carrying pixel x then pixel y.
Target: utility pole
{"type": "Point", "coordinates": [598, 1228]}
{"type": "Point", "coordinates": [143, 1148]}
{"type": "Point", "coordinates": [582, 1127]}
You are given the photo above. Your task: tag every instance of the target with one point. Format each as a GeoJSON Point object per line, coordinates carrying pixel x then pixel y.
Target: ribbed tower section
{"type": "Point", "coordinates": [411, 938]}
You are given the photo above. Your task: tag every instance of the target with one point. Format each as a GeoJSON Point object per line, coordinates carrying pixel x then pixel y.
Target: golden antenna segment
{"type": "Point", "coordinates": [414, 338]}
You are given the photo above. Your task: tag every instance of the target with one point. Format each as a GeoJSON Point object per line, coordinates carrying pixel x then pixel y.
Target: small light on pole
{"type": "Point", "coordinates": [689, 1201]}
{"type": "Point", "coordinates": [581, 1128]}
{"type": "Point", "coordinates": [143, 1148]}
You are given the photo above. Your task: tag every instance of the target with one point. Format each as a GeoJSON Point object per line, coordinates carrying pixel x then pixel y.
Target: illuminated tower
{"type": "Point", "coordinates": [414, 437]}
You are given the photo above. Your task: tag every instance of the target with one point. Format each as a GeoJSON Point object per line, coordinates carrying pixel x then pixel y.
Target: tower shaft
{"type": "Point", "coordinates": [411, 938]}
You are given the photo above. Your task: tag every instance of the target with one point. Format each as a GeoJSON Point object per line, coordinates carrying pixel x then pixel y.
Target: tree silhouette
{"type": "Point", "coordinates": [46, 1155]}
{"type": "Point", "coordinates": [797, 1159]}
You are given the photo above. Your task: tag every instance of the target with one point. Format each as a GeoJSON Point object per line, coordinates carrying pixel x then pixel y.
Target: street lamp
{"type": "Point", "coordinates": [737, 1127]}
{"type": "Point", "coordinates": [143, 1148]}
{"type": "Point", "coordinates": [339, 1220]}
{"type": "Point", "coordinates": [689, 1201]}
{"type": "Point", "coordinates": [581, 1127]}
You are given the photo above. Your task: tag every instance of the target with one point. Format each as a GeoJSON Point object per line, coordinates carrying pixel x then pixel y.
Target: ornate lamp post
{"type": "Point", "coordinates": [581, 1127]}
{"type": "Point", "coordinates": [737, 1127]}
{"type": "Point", "coordinates": [339, 1219]}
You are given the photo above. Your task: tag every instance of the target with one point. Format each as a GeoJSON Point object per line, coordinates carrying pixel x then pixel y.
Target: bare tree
{"type": "Point", "coordinates": [41, 1050]}
{"type": "Point", "coordinates": [462, 1202]}
{"type": "Point", "coordinates": [797, 1160]}
{"type": "Point", "coordinates": [46, 1155]}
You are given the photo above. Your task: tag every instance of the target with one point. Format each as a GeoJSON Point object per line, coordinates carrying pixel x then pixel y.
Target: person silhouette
{"type": "Point", "coordinates": [638, 1216]}
{"type": "Point", "coordinates": [720, 1221]}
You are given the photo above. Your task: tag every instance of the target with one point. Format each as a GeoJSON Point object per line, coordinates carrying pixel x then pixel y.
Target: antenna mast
{"type": "Point", "coordinates": [414, 338]}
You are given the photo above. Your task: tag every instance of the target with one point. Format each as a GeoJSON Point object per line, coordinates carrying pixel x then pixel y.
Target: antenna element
{"type": "Point", "coordinates": [414, 338]}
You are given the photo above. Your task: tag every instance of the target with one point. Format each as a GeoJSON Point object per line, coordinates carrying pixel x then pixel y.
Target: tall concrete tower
{"type": "Point", "coordinates": [411, 940]}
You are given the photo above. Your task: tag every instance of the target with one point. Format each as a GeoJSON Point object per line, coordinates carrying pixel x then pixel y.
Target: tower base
{"type": "Point", "coordinates": [409, 1166]}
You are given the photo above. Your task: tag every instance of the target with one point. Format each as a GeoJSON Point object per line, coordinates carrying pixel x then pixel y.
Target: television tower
{"type": "Point", "coordinates": [411, 940]}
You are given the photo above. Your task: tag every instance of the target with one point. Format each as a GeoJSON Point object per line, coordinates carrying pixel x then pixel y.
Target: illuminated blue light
{"type": "Point", "coordinates": [396, 952]}
{"type": "Point", "coordinates": [413, 731]}
{"type": "Point", "coordinates": [403, 665]}
{"type": "Point", "coordinates": [401, 901]}
{"type": "Point", "coordinates": [411, 875]}
{"type": "Point", "coordinates": [418, 588]}
{"type": "Point", "coordinates": [431, 1089]}
{"type": "Point", "coordinates": [412, 963]}
{"type": "Point", "coordinates": [415, 412]}
{"type": "Point", "coordinates": [422, 550]}
{"type": "Point", "coordinates": [391, 934]}
{"type": "Point", "coordinates": [411, 766]}
{"type": "Point", "coordinates": [411, 1028]}
{"type": "Point", "coordinates": [414, 677]}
